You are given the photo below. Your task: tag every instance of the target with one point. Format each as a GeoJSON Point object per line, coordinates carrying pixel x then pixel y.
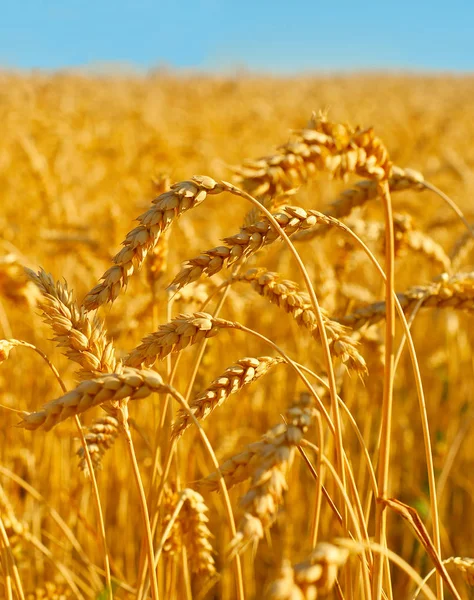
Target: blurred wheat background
{"type": "Point", "coordinates": [80, 158]}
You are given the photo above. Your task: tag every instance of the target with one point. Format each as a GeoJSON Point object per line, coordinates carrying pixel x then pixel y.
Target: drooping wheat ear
{"type": "Point", "coordinates": [333, 148]}
{"type": "Point", "coordinates": [243, 372]}
{"type": "Point", "coordinates": [190, 528]}
{"type": "Point", "coordinates": [138, 243]}
{"type": "Point", "coordinates": [184, 330]}
{"type": "Point", "coordinates": [287, 295]}
{"type": "Point", "coordinates": [100, 437]}
{"type": "Point", "coordinates": [318, 573]}
{"type": "Point", "coordinates": [250, 239]}
{"type": "Point", "coordinates": [465, 565]}
{"type": "Point", "coordinates": [406, 237]}
{"type": "Point", "coordinates": [266, 463]}
{"type": "Point", "coordinates": [84, 339]}
{"type": "Point", "coordinates": [362, 192]}
{"type": "Point", "coordinates": [130, 383]}
{"type": "Point", "coordinates": [14, 283]}
{"type": "Point", "coordinates": [448, 292]}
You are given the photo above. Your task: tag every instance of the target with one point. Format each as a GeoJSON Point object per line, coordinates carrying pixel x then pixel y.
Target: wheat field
{"type": "Point", "coordinates": [270, 396]}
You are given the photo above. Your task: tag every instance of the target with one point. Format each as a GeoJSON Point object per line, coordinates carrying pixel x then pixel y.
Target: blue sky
{"type": "Point", "coordinates": [283, 36]}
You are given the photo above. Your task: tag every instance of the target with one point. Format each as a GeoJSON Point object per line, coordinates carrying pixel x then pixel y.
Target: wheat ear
{"type": "Point", "coordinates": [141, 240]}
{"type": "Point", "coordinates": [333, 148]}
{"type": "Point", "coordinates": [266, 463]}
{"type": "Point", "coordinates": [287, 295]}
{"type": "Point", "coordinates": [185, 522]}
{"type": "Point", "coordinates": [130, 383]}
{"type": "Point", "coordinates": [250, 239]}
{"type": "Point", "coordinates": [234, 378]}
{"type": "Point", "coordinates": [455, 292]}
{"type": "Point", "coordinates": [184, 330]}
{"type": "Point", "coordinates": [84, 339]}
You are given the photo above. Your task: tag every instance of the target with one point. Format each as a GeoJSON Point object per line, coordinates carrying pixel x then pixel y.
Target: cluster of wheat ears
{"type": "Point", "coordinates": [334, 475]}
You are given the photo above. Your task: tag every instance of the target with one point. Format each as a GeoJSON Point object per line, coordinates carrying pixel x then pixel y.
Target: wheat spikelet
{"type": "Point", "coordinates": [15, 285]}
{"type": "Point", "coordinates": [250, 239]}
{"type": "Point", "coordinates": [85, 340]}
{"type": "Point", "coordinates": [153, 223]}
{"type": "Point", "coordinates": [465, 566]}
{"type": "Point", "coordinates": [130, 383]}
{"type": "Point", "coordinates": [184, 330]}
{"type": "Point", "coordinates": [243, 372]}
{"type": "Point", "coordinates": [334, 148]}
{"type": "Point", "coordinates": [455, 292]}
{"type": "Point", "coordinates": [99, 438]}
{"type": "Point", "coordinates": [287, 295]}
{"type": "Point", "coordinates": [190, 528]}
{"type": "Point", "coordinates": [6, 347]}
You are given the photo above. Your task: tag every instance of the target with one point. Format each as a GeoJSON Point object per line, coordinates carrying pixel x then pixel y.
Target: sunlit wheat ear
{"type": "Point", "coordinates": [287, 295]}
{"type": "Point", "coordinates": [190, 529]}
{"type": "Point", "coordinates": [362, 192]}
{"type": "Point", "coordinates": [141, 240]}
{"type": "Point", "coordinates": [130, 383]}
{"type": "Point", "coordinates": [250, 239]}
{"type": "Point", "coordinates": [83, 338]}
{"type": "Point", "coordinates": [234, 378]}
{"type": "Point", "coordinates": [333, 148]}
{"type": "Point", "coordinates": [266, 463]}
{"type": "Point", "coordinates": [184, 330]}
{"type": "Point", "coordinates": [318, 573]}
{"type": "Point", "coordinates": [99, 438]}
{"type": "Point", "coordinates": [455, 292]}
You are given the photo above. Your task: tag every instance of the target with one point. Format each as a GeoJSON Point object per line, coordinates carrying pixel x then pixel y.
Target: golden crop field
{"type": "Point", "coordinates": [337, 271]}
